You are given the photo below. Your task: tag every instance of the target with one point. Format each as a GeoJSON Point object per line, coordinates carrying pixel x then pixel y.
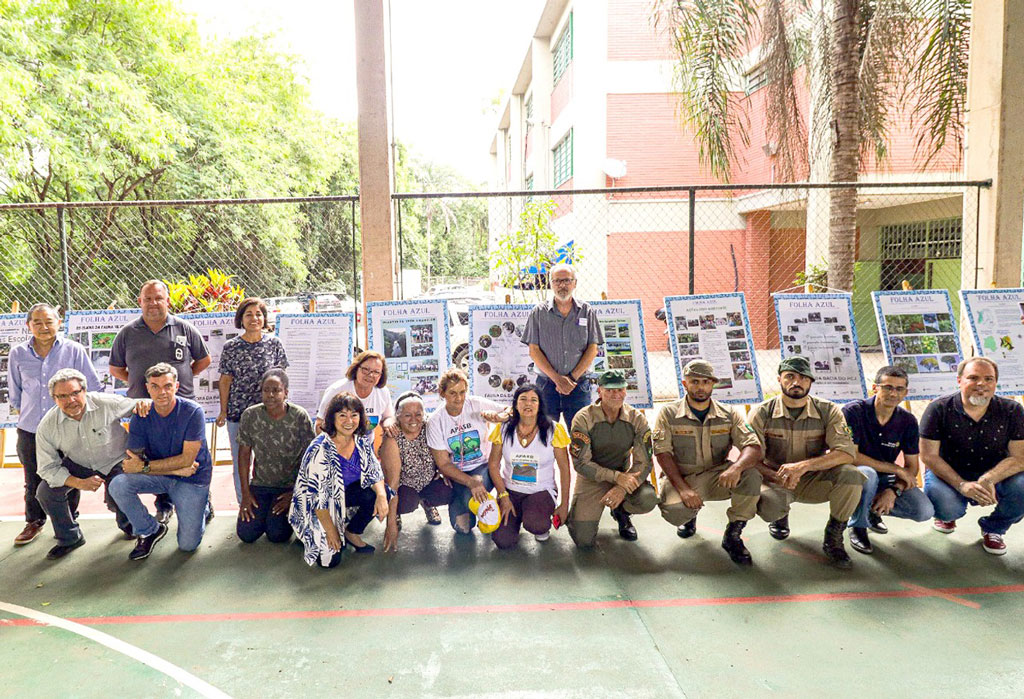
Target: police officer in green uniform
{"type": "Point", "coordinates": [692, 440]}
{"type": "Point", "coordinates": [611, 452]}
{"type": "Point", "coordinates": [808, 458]}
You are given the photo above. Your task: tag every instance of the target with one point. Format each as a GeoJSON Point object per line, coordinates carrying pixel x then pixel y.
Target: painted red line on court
{"type": "Point", "coordinates": [529, 608]}
{"type": "Point", "coordinates": [941, 595]}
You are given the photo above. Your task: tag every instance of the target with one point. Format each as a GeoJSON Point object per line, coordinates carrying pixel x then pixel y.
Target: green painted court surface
{"type": "Point", "coordinates": [926, 616]}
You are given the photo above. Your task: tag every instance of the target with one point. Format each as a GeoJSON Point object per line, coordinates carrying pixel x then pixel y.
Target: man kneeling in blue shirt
{"type": "Point", "coordinates": [882, 429]}
{"type": "Point", "coordinates": [167, 453]}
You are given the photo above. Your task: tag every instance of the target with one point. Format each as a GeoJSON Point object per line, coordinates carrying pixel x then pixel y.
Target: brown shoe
{"type": "Point", "coordinates": [29, 533]}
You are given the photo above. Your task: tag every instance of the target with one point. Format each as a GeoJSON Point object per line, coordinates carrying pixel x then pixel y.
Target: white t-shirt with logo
{"type": "Point", "coordinates": [377, 405]}
{"type": "Point", "coordinates": [530, 469]}
{"type": "Point", "coordinates": [463, 436]}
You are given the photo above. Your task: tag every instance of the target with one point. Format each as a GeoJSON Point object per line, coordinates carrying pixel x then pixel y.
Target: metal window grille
{"type": "Point", "coordinates": [562, 56]}
{"type": "Point", "coordinates": [562, 160]}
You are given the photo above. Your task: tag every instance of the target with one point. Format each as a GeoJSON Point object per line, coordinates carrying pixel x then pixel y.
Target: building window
{"type": "Point", "coordinates": [922, 240]}
{"type": "Point", "coordinates": [562, 56]}
{"type": "Point", "coordinates": [757, 77]}
{"type": "Point", "coordinates": [561, 156]}
{"type": "Point", "coordinates": [528, 109]}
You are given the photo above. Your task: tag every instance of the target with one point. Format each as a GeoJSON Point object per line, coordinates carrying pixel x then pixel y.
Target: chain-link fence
{"type": "Point", "coordinates": [648, 243]}
{"type": "Point", "coordinates": [98, 254]}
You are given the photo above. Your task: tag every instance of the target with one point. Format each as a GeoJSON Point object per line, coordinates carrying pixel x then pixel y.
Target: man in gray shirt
{"type": "Point", "coordinates": [563, 336]}
{"type": "Point", "coordinates": [79, 446]}
{"type": "Point", "coordinates": [158, 336]}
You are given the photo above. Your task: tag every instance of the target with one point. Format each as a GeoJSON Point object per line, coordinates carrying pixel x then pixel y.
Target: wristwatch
{"type": "Point", "coordinates": [896, 490]}
{"type": "Point", "coordinates": [145, 464]}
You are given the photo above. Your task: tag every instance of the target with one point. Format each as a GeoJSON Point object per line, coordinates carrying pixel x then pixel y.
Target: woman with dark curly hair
{"type": "Point", "coordinates": [340, 486]}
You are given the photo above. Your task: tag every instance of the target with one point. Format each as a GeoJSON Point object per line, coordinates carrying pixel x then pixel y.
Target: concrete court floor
{"type": "Point", "coordinates": [926, 616]}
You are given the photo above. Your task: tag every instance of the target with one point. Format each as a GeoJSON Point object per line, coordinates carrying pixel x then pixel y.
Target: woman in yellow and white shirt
{"type": "Point", "coordinates": [526, 452]}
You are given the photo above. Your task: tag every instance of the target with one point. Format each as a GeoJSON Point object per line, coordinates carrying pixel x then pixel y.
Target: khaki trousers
{"type": "Point", "coordinates": [744, 496]}
{"type": "Point", "coordinates": [586, 507]}
{"type": "Point", "coordinates": [840, 487]}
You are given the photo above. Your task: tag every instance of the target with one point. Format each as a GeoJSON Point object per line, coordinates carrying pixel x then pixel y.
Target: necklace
{"type": "Point", "coordinates": [524, 439]}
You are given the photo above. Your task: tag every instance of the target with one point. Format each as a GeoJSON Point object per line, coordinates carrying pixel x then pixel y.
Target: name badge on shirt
{"type": "Point", "coordinates": [582, 322]}
{"type": "Point", "coordinates": [179, 349]}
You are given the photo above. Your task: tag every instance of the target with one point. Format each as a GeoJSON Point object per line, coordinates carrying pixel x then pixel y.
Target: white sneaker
{"type": "Point", "coordinates": [542, 537]}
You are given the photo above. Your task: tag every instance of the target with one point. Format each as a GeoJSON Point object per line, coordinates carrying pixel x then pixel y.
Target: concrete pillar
{"type": "Point", "coordinates": [375, 166]}
{"type": "Point", "coordinates": [995, 144]}
{"type": "Point", "coordinates": [542, 86]}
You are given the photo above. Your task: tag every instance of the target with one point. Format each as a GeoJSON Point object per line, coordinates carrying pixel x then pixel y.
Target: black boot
{"type": "Point", "coordinates": [859, 540]}
{"type": "Point", "coordinates": [626, 529]}
{"type": "Point", "coordinates": [833, 546]}
{"type": "Point", "coordinates": [732, 542]}
{"type": "Point", "coordinates": [779, 529]}
{"type": "Point", "coordinates": [685, 531]}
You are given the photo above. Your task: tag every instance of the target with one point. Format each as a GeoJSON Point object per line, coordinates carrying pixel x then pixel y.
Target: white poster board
{"type": "Point", "coordinates": [997, 328]}
{"type": "Point", "coordinates": [414, 338]}
{"type": "Point", "coordinates": [13, 331]}
{"type": "Point", "coordinates": [96, 330]}
{"type": "Point", "coordinates": [499, 362]}
{"type": "Point", "coordinates": [216, 329]}
{"type": "Point", "coordinates": [319, 349]}
{"type": "Point", "coordinates": [820, 327]}
{"type": "Point", "coordinates": [715, 328]}
{"type": "Point", "coordinates": [624, 348]}
{"type": "Point", "coordinates": [919, 335]}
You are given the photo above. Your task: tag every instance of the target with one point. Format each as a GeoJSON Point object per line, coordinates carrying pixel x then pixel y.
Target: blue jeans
{"type": "Point", "coordinates": [233, 441]}
{"type": "Point", "coordinates": [264, 521]}
{"type": "Point", "coordinates": [950, 505]}
{"type": "Point", "coordinates": [190, 502]}
{"type": "Point", "coordinates": [912, 504]}
{"type": "Point", "coordinates": [461, 496]}
{"type": "Point", "coordinates": [556, 405]}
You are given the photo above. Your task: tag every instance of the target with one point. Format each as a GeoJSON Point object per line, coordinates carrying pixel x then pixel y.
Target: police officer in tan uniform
{"type": "Point", "coordinates": [808, 458]}
{"type": "Point", "coordinates": [611, 452]}
{"type": "Point", "coordinates": [692, 440]}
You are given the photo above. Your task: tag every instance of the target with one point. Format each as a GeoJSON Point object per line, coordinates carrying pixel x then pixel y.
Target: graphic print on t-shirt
{"type": "Point", "coordinates": [465, 446]}
{"type": "Point", "coordinates": [374, 419]}
{"type": "Point", "coordinates": [524, 468]}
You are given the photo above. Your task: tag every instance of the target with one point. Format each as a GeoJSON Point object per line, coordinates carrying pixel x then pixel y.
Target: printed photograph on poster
{"type": "Point", "coordinates": [96, 330]}
{"type": "Point", "coordinates": [415, 340]}
{"type": "Point", "coordinates": [820, 327]}
{"type": "Point", "coordinates": [498, 360]}
{"type": "Point", "coordinates": [319, 348]}
{"type": "Point", "coordinates": [716, 328]}
{"type": "Point", "coordinates": [919, 335]}
{"type": "Point", "coordinates": [997, 330]}
{"type": "Point", "coordinates": [624, 348]}
{"type": "Point", "coordinates": [216, 329]}
{"type": "Point", "coordinates": [13, 332]}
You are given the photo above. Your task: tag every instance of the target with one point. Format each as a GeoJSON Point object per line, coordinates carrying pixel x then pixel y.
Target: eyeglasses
{"type": "Point", "coordinates": [370, 372]}
{"type": "Point", "coordinates": [563, 282]}
{"type": "Point", "coordinates": [891, 389]}
{"type": "Point", "coordinates": [65, 396]}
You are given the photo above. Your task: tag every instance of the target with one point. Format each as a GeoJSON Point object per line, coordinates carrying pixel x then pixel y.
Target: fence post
{"type": "Point", "coordinates": [65, 272]}
{"type": "Point", "coordinates": [692, 229]}
{"type": "Point", "coordinates": [401, 250]}
{"type": "Point", "coordinates": [355, 273]}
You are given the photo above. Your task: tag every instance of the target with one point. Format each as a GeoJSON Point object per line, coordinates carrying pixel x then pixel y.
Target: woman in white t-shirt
{"type": "Point", "coordinates": [367, 378]}
{"type": "Point", "coordinates": [525, 453]}
{"type": "Point", "coordinates": [457, 437]}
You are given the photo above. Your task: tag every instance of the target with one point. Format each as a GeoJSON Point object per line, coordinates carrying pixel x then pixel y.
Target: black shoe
{"type": "Point", "coordinates": [859, 540]}
{"type": "Point", "coordinates": [164, 516]}
{"type": "Point", "coordinates": [685, 531]}
{"type": "Point", "coordinates": [61, 550]}
{"type": "Point", "coordinates": [732, 542]}
{"type": "Point", "coordinates": [626, 529]}
{"type": "Point", "coordinates": [145, 544]}
{"type": "Point", "coordinates": [833, 546]}
{"type": "Point", "coordinates": [876, 524]}
{"type": "Point", "coordinates": [209, 514]}
{"type": "Point", "coordinates": [779, 529]}
{"type": "Point", "coordinates": [433, 516]}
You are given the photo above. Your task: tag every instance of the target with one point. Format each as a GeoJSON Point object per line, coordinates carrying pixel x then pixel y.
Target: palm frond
{"type": "Point", "coordinates": [784, 122]}
{"type": "Point", "coordinates": [710, 39]}
{"type": "Point", "coordinates": [938, 76]}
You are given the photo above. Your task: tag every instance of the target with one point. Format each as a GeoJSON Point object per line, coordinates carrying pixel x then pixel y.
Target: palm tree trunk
{"type": "Point", "coordinates": [846, 152]}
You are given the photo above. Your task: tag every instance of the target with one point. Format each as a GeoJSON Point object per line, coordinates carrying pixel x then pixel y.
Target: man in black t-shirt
{"type": "Point", "coordinates": [881, 429]}
{"type": "Point", "coordinates": [972, 443]}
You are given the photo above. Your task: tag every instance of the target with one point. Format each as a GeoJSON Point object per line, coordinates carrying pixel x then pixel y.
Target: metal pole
{"type": "Point", "coordinates": [65, 272]}
{"type": "Point", "coordinates": [355, 274]}
{"type": "Point", "coordinates": [692, 229]}
{"type": "Point", "coordinates": [401, 250]}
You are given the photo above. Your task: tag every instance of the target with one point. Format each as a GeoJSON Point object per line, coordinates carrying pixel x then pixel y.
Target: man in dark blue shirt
{"type": "Point", "coordinates": [972, 443]}
{"type": "Point", "coordinates": [881, 429]}
{"type": "Point", "coordinates": [167, 453]}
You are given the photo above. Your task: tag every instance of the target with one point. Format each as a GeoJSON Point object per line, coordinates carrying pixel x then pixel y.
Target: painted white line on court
{"type": "Point", "coordinates": [116, 644]}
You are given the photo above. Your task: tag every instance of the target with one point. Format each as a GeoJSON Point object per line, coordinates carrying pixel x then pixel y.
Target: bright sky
{"type": "Point", "coordinates": [450, 58]}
